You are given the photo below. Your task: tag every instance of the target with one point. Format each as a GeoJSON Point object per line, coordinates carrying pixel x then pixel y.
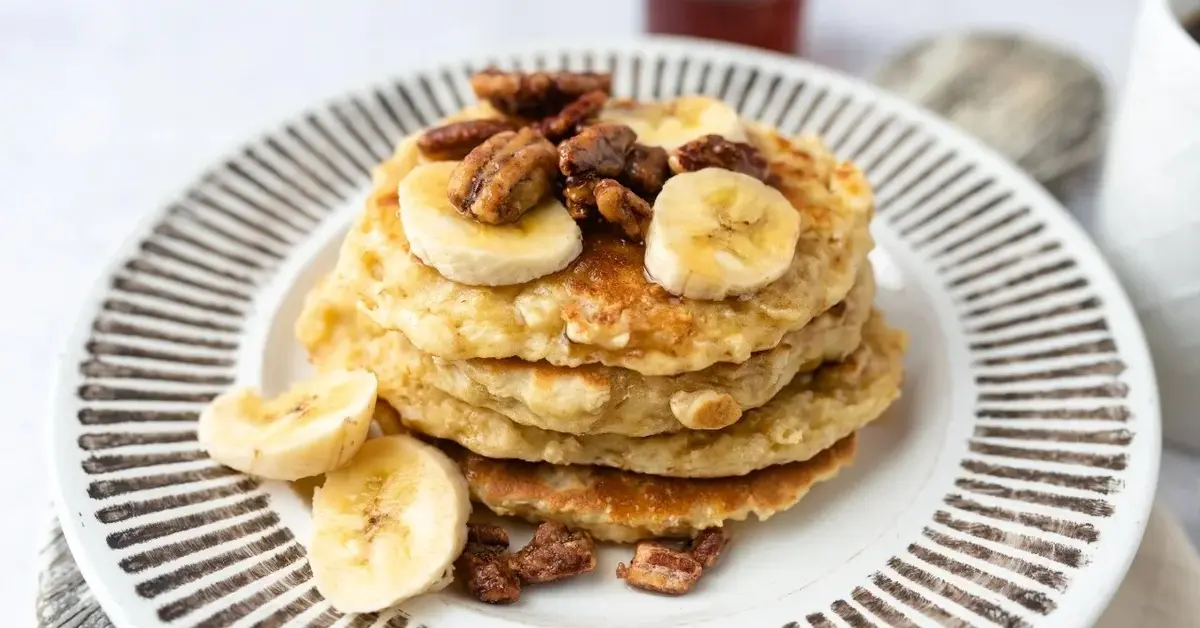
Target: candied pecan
{"type": "Point", "coordinates": [645, 170]}
{"type": "Point", "coordinates": [504, 177]}
{"type": "Point", "coordinates": [550, 532]}
{"type": "Point", "coordinates": [554, 553]}
{"type": "Point", "coordinates": [564, 123]}
{"type": "Point", "coordinates": [455, 140]}
{"type": "Point", "coordinates": [620, 206]}
{"type": "Point", "coordinates": [554, 561]}
{"type": "Point", "coordinates": [579, 197]}
{"type": "Point", "coordinates": [487, 536]}
{"type": "Point", "coordinates": [658, 568]}
{"type": "Point", "coordinates": [579, 211]}
{"type": "Point", "coordinates": [487, 575]}
{"type": "Point", "coordinates": [714, 151]}
{"type": "Point", "coordinates": [708, 545]}
{"type": "Point", "coordinates": [598, 150]}
{"type": "Point", "coordinates": [536, 94]}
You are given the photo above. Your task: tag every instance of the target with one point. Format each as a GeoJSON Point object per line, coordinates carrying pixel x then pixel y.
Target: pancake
{"type": "Point", "coordinates": [810, 414]}
{"type": "Point", "coordinates": [590, 399]}
{"type": "Point", "coordinates": [602, 308]}
{"type": "Point", "coordinates": [624, 507]}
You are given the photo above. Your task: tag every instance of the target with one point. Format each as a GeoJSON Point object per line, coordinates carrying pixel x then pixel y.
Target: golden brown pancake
{"type": "Point", "coordinates": [602, 308]}
{"type": "Point", "coordinates": [591, 399]}
{"type": "Point", "coordinates": [621, 506]}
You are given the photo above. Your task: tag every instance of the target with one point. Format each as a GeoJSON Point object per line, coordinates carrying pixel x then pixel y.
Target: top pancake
{"type": "Point", "coordinates": [602, 308]}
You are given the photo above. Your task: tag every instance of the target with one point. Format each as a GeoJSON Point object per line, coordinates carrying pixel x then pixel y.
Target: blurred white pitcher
{"type": "Point", "coordinates": [1149, 216]}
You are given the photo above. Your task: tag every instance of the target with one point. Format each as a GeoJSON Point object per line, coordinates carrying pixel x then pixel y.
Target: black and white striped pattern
{"type": "Point", "coordinates": [1053, 428]}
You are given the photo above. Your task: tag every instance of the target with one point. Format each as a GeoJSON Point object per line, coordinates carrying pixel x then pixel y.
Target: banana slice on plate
{"type": "Point", "coordinates": [389, 525]}
{"type": "Point", "coordinates": [676, 122]}
{"type": "Point", "coordinates": [543, 241]}
{"type": "Point", "coordinates": [315, 427]}
{"type": "Point", "coordinates": [717, 233]}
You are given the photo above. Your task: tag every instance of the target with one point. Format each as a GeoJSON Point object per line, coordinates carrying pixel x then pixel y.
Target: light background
{"type": "Point", "coordinates": [109, 107]}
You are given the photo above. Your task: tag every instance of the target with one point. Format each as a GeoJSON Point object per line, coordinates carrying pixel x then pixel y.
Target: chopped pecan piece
{"type": "Point", "coordinates": [564, 123]}
{"type": "Point", "coordinates": [707, 546]}
{"type": "Point", "coordinates": [504, 177]}
{"type": "Point", "coordinates": [455, 140]}
{"type": "Point", "coordinates": [597, 151]}
{"type": "Point", "coordinates": [714, 151]}
{"type": "Point", "coordinates": [487, 536]}
{"type": "Point", "coordinates": [645, 170]}
{"type": "Point", "coordinates": [554, 553]}
{"type": "Point", "coordinates": [536, 94]}
{"type": "Point", "coordinates": [487, 575]}
{"type": "Point", "coordinates": [658, 568]}
{"type": "Point", "coordinates": [620, 206]}
{"type": "Point", "coordinates": [550, 532]}
{"type": "Point", "coordinates": [579, 197]}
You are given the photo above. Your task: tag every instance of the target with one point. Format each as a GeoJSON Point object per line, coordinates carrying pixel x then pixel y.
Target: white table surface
{"type": "Point", "coordinates": [107, 108]}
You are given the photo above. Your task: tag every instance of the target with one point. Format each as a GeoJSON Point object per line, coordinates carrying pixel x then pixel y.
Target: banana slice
{"type": "Point", "coordinates": [673, 123]}
{"type": "Point", "coordinates": [717, 233]}
{"type": "Point", "coordinates": [315, 427]}
{"type": "Point", "coordinates": [388, 525]}
{"type": "Point", "coordinates": [543, 241]}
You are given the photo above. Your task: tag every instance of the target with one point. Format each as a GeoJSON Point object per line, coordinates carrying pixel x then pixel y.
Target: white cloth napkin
{"type": "Point", "coordinates": [1162, 588]}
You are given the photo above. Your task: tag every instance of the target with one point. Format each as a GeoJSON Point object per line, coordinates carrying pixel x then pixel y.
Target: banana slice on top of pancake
{"type": "Point", "coordinates": [717, 233]}
{"type": "Point", "coordinates": [676, 122]}
{"type": "Point", "coordinates": [543, 241]}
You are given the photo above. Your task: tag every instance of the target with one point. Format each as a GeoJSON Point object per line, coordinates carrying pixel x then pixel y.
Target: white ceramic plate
{"type": "Point", "coordinates": [1009, 486]}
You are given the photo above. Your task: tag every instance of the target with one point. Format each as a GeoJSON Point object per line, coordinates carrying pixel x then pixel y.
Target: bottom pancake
{"type": "Point", "coordinates": [624, 507]}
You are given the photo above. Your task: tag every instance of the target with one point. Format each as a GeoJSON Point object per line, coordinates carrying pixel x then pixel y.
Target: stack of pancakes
{"type": "Point", "coordinates": [593, 397]}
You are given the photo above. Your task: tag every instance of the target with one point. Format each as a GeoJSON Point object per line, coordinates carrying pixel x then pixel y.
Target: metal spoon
{"type": "Point", "coordinates": [1040, 106]}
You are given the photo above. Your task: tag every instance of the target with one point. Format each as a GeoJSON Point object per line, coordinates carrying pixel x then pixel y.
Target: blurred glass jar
{"type": "Point", "coordinates": [769, 24]}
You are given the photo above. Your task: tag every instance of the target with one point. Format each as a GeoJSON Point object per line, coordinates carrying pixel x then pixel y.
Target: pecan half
{"type": "Point", "coordinates": [487, 575]}
{"type": "Point", "coordinates": [554, 553]}
{"type": "Point", "coordinates": [645, 170]}
{"type": "Point", "coordinates": [455, 140]}
{"type": "Point", "coordinates": [487, 536]}
{"type": "Point", "coordinates": [566, 122]}
{"type": "Point", "coordinates": [708, 545]}
{"type": "Point", "coordinates": [579, 197]}
{"type": "Point", "coordinates": [598, 150]}
{"type": "Point", "coordinates": [658, 568]}
{"type": "Point", "coordinates": [714, 151]}
{"type": "Point", "coordinates": [536, 94]}
{"type": "Point", "coordinates": [620, 206]}
{"type": "Point", "coordinates": [504, 177]}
